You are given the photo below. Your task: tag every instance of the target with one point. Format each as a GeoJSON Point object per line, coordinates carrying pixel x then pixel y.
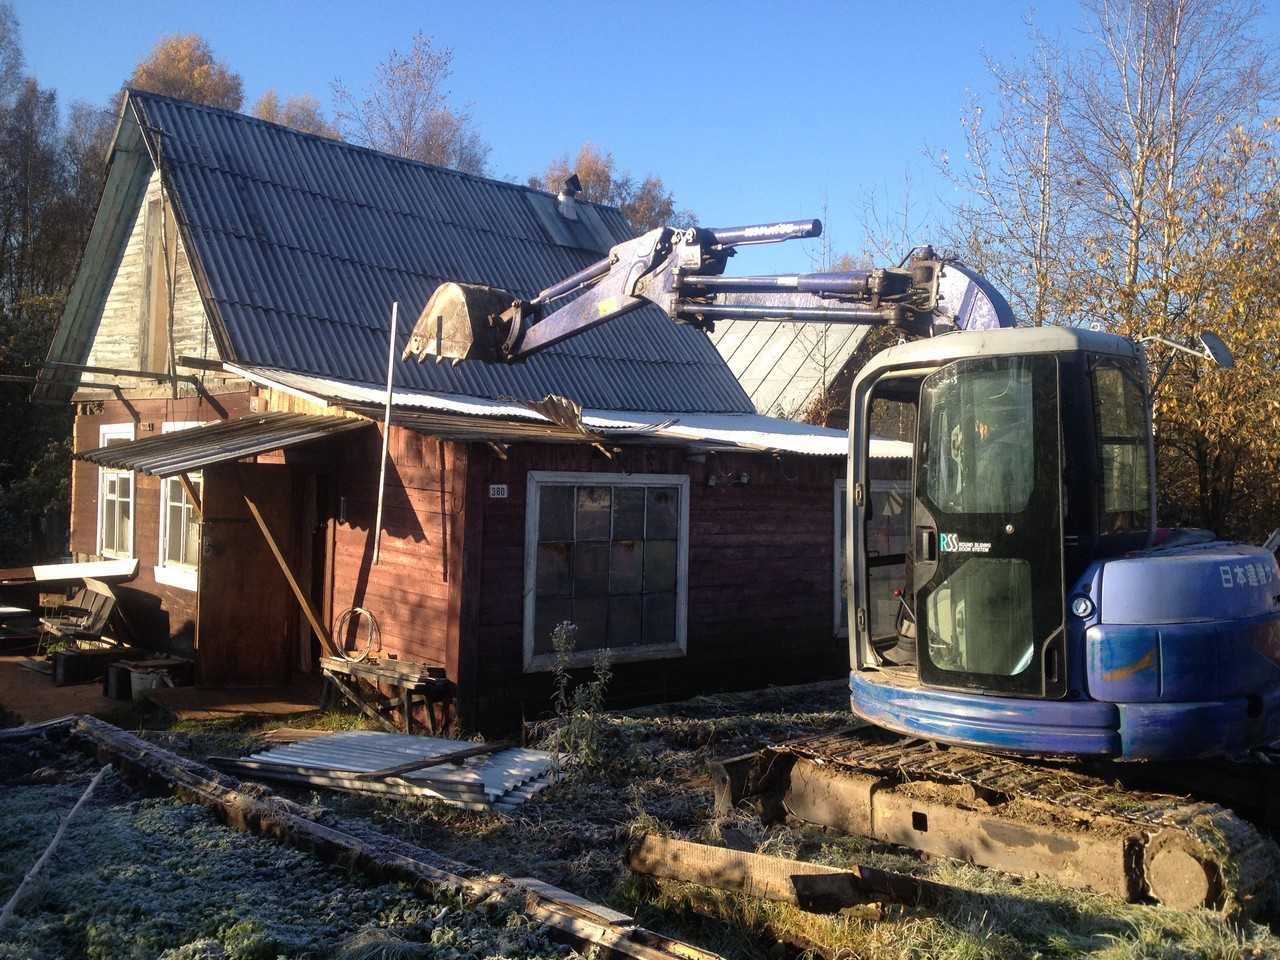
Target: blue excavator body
{"type": "Point", "coordinates": [1177, 657]}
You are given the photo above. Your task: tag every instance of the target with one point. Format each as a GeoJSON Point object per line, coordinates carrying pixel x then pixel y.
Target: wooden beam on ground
{"type": "Point", "coordinates": [565, 916]}
{"type": "Point", "coordinates": [303, 600]}
{"type": "Point", "coordinates": [809, 886]}
{"type": "Point", "coordinates": [192, 494]}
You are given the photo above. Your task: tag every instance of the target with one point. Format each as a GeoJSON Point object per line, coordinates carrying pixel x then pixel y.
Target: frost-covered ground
{"type": "Point", "coordinates": [144, 878]}
{"type": "Point", "coordinates": [163, 876]}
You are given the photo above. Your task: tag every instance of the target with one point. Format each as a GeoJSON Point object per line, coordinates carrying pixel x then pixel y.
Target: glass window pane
{"type": "Point", "coordinates": [591, 615]}
{"type": "Point", "coordinates": [1125, 481]}
{"type": "Point", "coordinates": [593, 513]}
{"type": "Point", "coordinates": [659, 566]}
{"type": "Point", "coordinates": [590, 569]}
{"type": "Point", "coordinates": [996, 595]}
{"type": "Point", "coordinates": [173, 530]}
{"type": "Point", "coordinates": [554, 576]}
{"type": "Point", "coordinates": [173, 490]}
{"type": "Point", "coordinates": [887, 524]}
{"type": "Point", "coordinates": [124, 529]}
{"type": "Point", "coordinates": [626, 568]}
{"type": "Point", "coordinates": [662, 514]}
{"type": "Point", "coordinates": [191, 540]}
{"type": "Point", "coordinates": [1118, 396]}
{"type": "Point", "coordinates": [660, 618]}
{"type": "Point", "coordinates": [624, 621]}
{"type": "Point", "coordinates": [981, 437]}
{"type": "Point", "coordinates": [547, 612]}
{"type": "Point", "coordinates": [628, 513]}
{"type": "Point", "coordinates": [1123, 451]}
{"type": "Point", "coordinates": [124, 484]}
{"type": "Point", "coordinates": [109, 526]}
{"type": "Point", "coordinates": [555, 513]}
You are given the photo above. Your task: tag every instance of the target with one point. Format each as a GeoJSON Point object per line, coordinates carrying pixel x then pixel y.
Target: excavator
{"type": "Point", "coordinates": [1072, 690]}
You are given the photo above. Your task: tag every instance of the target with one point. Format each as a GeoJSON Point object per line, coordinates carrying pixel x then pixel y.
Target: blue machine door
{"type": "Point", "coordinates": [987, 527]}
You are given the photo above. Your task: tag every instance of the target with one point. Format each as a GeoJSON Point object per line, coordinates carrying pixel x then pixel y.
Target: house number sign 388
{"type": "Point", "coordinates": [497, 491]}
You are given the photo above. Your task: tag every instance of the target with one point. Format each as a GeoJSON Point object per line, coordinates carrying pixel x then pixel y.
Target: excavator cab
{"type": "Point", "coordinates": [1035, 612]}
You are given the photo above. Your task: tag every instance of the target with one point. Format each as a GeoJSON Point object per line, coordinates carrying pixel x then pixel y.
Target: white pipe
{"type": "Point", "coordinates": [386, 429]}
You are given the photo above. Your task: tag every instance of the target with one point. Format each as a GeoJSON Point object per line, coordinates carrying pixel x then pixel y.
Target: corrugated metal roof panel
{"type": "Point", "coordinates": [461, 417]}
{"type": "Point", "coordinates": [306, 241]}
{"type": "Point", "coordinates": [172, 453]}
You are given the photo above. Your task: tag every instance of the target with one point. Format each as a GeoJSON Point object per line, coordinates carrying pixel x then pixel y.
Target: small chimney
{"type": "Point", "coordinates": [569, 191]}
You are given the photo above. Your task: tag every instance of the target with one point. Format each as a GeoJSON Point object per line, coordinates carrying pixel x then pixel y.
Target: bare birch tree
{"type": "Point", "coordinates": [407, 110]}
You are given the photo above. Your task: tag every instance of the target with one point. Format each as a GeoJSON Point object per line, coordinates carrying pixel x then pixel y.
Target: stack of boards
{"type": "Point", "coordinates": [474, 776]}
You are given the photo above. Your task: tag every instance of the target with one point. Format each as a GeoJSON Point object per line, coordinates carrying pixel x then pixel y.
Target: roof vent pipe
{"type": "Point", "coordinates": [569, 191]}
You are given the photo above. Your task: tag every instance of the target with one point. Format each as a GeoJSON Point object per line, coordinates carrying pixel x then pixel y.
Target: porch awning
{"type": "Point", "coordinates": [168, 454]}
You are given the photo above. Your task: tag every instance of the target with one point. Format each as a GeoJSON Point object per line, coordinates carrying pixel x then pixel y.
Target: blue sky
{"type": "Point", "coordinates": [749, 111]}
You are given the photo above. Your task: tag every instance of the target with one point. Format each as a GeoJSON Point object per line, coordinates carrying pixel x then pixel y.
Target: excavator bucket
{"type": "Point", "coordinates": [461, 321]}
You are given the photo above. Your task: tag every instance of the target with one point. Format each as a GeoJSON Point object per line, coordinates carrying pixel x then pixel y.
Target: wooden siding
{"type": "Point", "coordinates": [118, 341]}
{"type": "Point", "coordinates": [760, 578]}
{"type": "Point", "coordinates": [413, 590]}
{"type": "Point", "coordinates": [162, 616]}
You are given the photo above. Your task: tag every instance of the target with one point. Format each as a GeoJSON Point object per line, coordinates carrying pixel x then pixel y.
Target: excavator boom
{"type": "Point", "coordinates": [681, 272]}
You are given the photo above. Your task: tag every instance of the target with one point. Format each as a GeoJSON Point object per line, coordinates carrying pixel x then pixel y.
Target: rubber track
{"type": "Point", "coordinates": [1246, 859]}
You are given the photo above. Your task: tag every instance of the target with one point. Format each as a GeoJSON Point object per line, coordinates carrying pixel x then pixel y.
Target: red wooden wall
{"type": "Point", "coordinates": [163, 616]}
{"type": "Point", "coordinates": [413, 590]}
{"type": "Point", "coordinates": [760, 577]}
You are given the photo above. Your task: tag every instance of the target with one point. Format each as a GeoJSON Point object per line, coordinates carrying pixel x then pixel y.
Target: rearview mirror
{"type": "Point", "coordinates": [1216, 350]}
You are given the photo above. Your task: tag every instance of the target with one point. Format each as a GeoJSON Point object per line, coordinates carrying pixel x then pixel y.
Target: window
{"type": "Point", "coordinates": [610, 553]}
{"type": "Point", "coordinates": [1123, 447]}
{"type": "Point", "coordinates": [179, 549]}
{"type": "Point", "coordinates": [981, 451]}
{"type": "Point", "coordinates": [115, 497]}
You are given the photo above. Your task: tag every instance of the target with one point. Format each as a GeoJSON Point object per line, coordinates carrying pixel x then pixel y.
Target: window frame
{"type": "Point", "coordinates": [168, 572]}
{"type": "Point", "coordinates": [106, 433]}
{"type": "Point", "coordinates": [535, 481]}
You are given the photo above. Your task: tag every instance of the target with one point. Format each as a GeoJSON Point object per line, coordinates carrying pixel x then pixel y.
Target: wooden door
{"type": "Point", "coordinates": [247, 623]}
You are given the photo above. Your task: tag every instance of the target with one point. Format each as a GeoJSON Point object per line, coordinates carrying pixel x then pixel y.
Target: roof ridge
{"type": "Point", "coordinates": [139, 93]}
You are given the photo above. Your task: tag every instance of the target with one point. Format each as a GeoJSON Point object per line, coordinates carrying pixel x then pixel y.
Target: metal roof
{"type": "Point", "coordinates": [785, 366]}
{"type": "Point", "coordinates": [301, 244]}
{"type": "Point", "coordinates": [468, 418]}
{"type": "Point", "coordinates": [172, 453]}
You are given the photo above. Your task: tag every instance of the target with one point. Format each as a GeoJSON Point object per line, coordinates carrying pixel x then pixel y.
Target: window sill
{"type": "Point", "coordinates": [184, 578]}
{"type": "Point", "coordinates": [546, 662]}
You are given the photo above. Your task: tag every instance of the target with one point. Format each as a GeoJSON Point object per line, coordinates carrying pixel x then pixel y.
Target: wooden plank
{"type": "Point", "coordinates": [192, 495]}
{"type": "Point", "coordinates": [377, 855]}
{"type": "Point", "coordinates": [304, 601]}
{"type": "Point", "coordinates": [360, 704]}
{"type": "Point", "coordinates": [810, 886]}
{"type": "Point", "coordinates": [454, 756]}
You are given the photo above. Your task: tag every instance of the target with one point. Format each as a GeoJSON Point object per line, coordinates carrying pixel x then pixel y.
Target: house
{"type": "Point", "coordinates": [225, 345]}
